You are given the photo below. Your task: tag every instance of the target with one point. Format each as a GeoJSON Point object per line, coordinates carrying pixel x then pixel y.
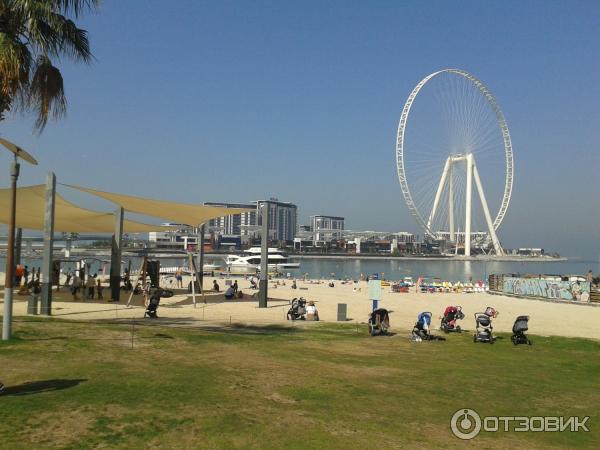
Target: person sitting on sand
{"type": "Point", "coordinates": [253, 283]}
{"type": "Point", "coordinates": [229, 293]}
{"type": "Point", "coordinates": [216, 286]}
{"type": "Point", "coordinates": [294, 286]}
{"type": "Point", "coordinates": [240, 294]}
{"type": "Point", "coordinates": [23, 289]}
{"type": "Point", "coordinates": [331, 284]}
{"type": "Point", "coordinates": [311, 311]}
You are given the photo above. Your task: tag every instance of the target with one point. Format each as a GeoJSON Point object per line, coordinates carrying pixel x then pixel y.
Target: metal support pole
{"type": "Point", "coordinates": [115, 257]}
{"type": "Point", "coordinates": [438, 193]}
{"type": "Point", "coordinates": [47, 266]}
{"type": "Point", "coordinates": [200, 240]}
{"type": "Point", "coordinates": [264, 258]}
{"type": "Point", "coordinates": [18, 244]}
{"type": "Point", "coordinates": [10, 275]}
{"type": "Point", "coordinates": [451, 202]}
{"type": "Point", "coordinates": [486, 212]}
{"type": "Point", "coordinates": [468, 205]}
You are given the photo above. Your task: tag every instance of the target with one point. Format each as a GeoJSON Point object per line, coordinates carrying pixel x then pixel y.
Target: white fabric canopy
{"type": "Point", "coordinates": [67, 216]}
{"type": "Point", "coordinates": [182, 213]}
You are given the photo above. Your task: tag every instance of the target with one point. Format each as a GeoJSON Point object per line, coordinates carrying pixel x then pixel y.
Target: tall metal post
{"type": "Point", "coordinates": [264, 258]}
{"type": "Point", "coordinates": [10, 274]}
{"type": "Point", "coordinates": [439, 192]}
{"type": "Point", "coordinates": [47, 266]}
{"type": "Point", "coordinates": [200, 240]}
{"type": "Point", "coordinates": [486, 212]}
{"type": "Point", "coordinates": [451, 201]}
{"type": "Point", "coordinates": [115, 257]}
{"type": "Point", "coordinates": [18, 245]}
{"type": "Point", "coordinates": [468, 204]}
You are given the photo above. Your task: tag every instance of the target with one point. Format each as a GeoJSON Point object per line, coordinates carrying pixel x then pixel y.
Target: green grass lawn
{"type": "Point", "coordinates": [82, 385]}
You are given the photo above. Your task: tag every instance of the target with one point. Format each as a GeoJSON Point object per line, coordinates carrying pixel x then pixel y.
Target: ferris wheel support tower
{"type": "Point", "coordinates": [472, 173]}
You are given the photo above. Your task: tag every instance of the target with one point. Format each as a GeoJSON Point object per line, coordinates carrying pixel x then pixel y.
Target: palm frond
{"type": "Point", "coordinates": [46, 92]}
{"type": "Point", "coordinates": [15, 63]}
{"type": "Point", "coordinates": [75, 7]}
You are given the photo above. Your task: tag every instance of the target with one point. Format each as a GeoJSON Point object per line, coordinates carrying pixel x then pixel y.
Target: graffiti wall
{"type": "Point", "coordinates": [535, 287]}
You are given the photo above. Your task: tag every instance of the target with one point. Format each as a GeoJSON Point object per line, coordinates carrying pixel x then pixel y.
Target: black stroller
{"type": "Point", "coordinates": [155, 296]}
{"type": "Point", "coordinates": [379, 322]}
{"type": "Point", "coordinates": [519, 329]}
{"type": "Point", "coordinates": [298, 309]}
{"type": "Point", "coordinates": [483, 326]}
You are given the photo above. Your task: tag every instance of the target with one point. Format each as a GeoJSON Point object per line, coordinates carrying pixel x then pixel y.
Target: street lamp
{"type": "Point", "coordinates": [17, 152]}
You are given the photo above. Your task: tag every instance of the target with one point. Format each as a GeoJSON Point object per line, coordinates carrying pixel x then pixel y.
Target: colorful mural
{"type": "Point", "coordinates": [538, 287]}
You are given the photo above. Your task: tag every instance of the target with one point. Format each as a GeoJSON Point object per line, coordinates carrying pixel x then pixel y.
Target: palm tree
{"type": "Point", "coordinates": [33, 33]}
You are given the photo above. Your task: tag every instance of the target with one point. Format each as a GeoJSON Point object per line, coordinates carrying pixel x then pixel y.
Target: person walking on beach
{"type": "Point", "coordinates": [90, 284]}
{"type": "Point", "coordinates": [179, 278]}
{"type": "Point", "coordinates": [18, 274]}
{"type": "Point", "coordinates": [75, 286]}
{"type": "Point", "coordinates": [99, 289]}
{"type": "Point", "coordinates": [235, 287]}
{"type": "Point", "coordinates": [418, 284]}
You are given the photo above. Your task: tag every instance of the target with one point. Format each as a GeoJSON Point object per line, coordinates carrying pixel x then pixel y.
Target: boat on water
{"type": "Point", "coordinates": [186, 270]}
{"type": "Point", "coordinates": [250, 260]}
{"type": "Point", "coordinates": [165, 271]}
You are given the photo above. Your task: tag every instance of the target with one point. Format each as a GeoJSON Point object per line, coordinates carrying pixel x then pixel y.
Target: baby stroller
{"type": "Point", "coordinates": [153, 304]}
{"type": "Point", "coordinates": [379, 322]}
{"type": "Point", "coordinates": [519, 329]}
{"type": "Point", "coordinates": [298, 309]}
{"type": "Point", "coordinates": [421, 332]}
{"type": "Point", "coordinates": [483, 325]}
{"type": "Point", "coordinates": [451, 315]}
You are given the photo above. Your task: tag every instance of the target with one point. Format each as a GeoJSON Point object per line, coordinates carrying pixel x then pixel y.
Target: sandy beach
{"type": "Point", "coordinates": [546, 318]}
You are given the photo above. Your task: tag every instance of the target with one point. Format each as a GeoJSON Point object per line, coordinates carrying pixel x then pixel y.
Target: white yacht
{"type": "Point", "coordinates": [250, 259]}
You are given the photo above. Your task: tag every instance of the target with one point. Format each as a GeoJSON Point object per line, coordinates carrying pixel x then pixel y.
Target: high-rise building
{"type": "Point", "coordinates": [283, 219]}
{"type": "Point", "coordinates": [235, 223]}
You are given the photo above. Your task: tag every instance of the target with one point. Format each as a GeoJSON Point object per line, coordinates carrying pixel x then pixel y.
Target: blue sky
{"type": "Point", "coordinates": [233, 101]}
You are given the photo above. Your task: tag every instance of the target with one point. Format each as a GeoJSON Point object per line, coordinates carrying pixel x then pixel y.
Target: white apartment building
{"type": "Point", "coordinates": [326, 228]}
{"type": "Point", "coordinates": [283, 220]}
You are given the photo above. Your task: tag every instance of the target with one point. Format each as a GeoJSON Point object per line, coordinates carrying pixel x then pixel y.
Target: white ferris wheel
{"type": "Point", "coordinates": [452, 133]}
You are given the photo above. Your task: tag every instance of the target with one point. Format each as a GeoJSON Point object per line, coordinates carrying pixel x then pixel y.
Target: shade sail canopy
{"type": "Point", "coordinates": [182, 213]}
{"type": "Point", "coordinates": [67, 216]}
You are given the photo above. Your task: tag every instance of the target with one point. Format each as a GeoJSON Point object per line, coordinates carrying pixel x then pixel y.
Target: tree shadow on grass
{"type": "Point", "coordinates": [194, 324]}
{"type": "Point", "coordinates": [214, 298]}
{"type": "Point", "coordinates": [37, 387]}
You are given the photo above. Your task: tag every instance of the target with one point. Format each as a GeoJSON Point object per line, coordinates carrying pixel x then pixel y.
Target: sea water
{"type": "Point", "coordinates": [393, 269]}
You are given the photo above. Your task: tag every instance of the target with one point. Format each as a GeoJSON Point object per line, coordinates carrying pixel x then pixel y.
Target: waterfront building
{"type": "Point", "coordinates": [183, 237]}
{"type": "Point", "coordinates": [326, 228]}
{"type": "Point", "coordinates": [476, 236]}
{"type": "Point", "coordinates": [283, 217]}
